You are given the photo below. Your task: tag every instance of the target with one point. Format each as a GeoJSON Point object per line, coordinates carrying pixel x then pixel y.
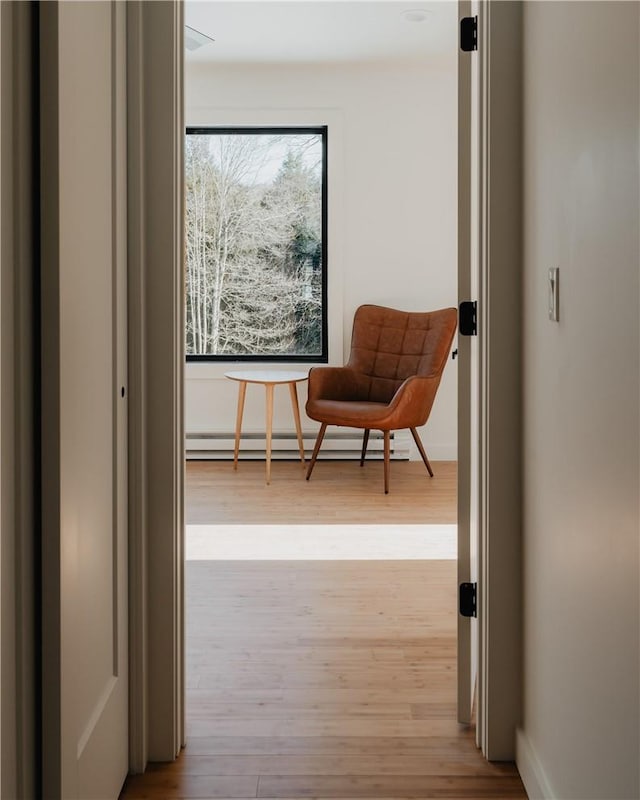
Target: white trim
{"type": "Point", "coordinates": [156, 136]}
{"type": "Point", "coordinates": [530, 768]}
{"type": "Point", "coordinates": [465, 625]}
{"type": "Point", "coordinates": [138, 720]}
{"type": "Point", "coordinates": [8, 589]}
{"type": "Point", "coordinates": [500, 585]}
{"type": "Point", "coordinates": [499, 676]}
{"type": "Point", "coordinates": [498, 694]}
{"type": "Point", "coordinates": [338, 443]}
{"type": "Point", "coordinates": [484, 54]}
{"type": "Point", "coordinates": [18, 578]}
{"type": "Point", "coordinates": [51, 768]}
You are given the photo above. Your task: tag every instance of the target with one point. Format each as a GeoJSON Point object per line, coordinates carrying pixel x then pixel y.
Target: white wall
{"type": "Point", "coordinates": [580, 735]}
{"type": "Point", "coordinates": [392, 203]}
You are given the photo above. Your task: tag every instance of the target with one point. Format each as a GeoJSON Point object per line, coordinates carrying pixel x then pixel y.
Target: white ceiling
{"type": "Point", "coordinates": [298, 31]}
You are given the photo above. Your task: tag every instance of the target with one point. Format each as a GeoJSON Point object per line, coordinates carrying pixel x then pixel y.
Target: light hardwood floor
{"type": "Point", "coordinates": [322, 679]}
{"type": "Point", "coordinates": [338, 491]}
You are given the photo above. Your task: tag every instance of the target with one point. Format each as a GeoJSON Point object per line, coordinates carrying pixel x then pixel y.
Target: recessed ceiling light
{"type": "Point", "coordinates": [415, 15]}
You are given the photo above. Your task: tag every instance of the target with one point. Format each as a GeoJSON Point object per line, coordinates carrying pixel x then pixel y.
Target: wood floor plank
{"type": "Point", "coordinates": [214, 492]}
{"type": "Point", "coordinates": [321, 695]}
{"type": "Point", "coordinates": [161, 783]}
{"type": "Point", "coordinates": [318, 679]}
{"type": "Point", "coordinates": [329, 679]}
{"type": "Point", "coordinates": [461, 745]}
{"type": "Point", "coordinates": [336, 764]}
{"type": "Point", "coordinates": [298, 786]}
{"type": "Point", "coordinates": [328, 727]}
{"type": "Point", "coordinates": [301, 711]}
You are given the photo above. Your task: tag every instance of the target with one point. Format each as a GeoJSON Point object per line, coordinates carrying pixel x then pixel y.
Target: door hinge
{"type": "Point", "coordinates": [468, 599]}
{"type": "Point", "coordinates": [469, 34]}
{"type": "Point", "coordinates": [467, 318]}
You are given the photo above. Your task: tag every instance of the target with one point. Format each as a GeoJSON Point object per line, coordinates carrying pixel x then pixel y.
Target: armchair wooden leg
{"type": "Point", "coordinates": [316, 449]}
{"type": "Point", "coordinates": [387, 459]}
{"type": "Point", "coordinates": [365, 442]}
{"type": "Point", "coordinates": [416, 439]}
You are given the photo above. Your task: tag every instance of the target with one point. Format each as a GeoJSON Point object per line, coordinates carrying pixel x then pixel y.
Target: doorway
{"type": "Point", "coordinates": [359, 263]}
{"type": "Point", "coordinates": [494, 96]}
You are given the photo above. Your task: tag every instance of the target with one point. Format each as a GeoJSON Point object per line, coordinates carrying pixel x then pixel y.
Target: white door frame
{"type": "Point", "coordinates": [156, 363]}
{"type": "Point", "coordinates": [156, 359]}
{"type": "Point", "coordinates": [18, 465]}
{"type": "Point", "coordinates": [498, 694]}
{"type": "Point", "coordinates": [467, 659]}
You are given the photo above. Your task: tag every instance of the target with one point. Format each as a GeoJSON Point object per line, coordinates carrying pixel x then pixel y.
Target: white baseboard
{"type": "Point", "coordinates": [531, 770]}
{"type": "Point", "coordinates": [343, 443]}
{"type": "Point", "coordinates": [338, 444]}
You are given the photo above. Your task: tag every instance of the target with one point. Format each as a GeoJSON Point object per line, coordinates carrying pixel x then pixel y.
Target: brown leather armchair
{"type": "Point", "coordinates": [390, 381]}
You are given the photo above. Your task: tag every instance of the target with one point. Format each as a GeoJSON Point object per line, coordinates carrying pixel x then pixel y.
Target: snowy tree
{"type": "Point", "coordinates": [254, 249]}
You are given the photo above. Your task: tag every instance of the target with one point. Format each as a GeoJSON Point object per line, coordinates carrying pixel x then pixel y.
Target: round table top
{"type": "Point", "coordinates": [267, 376]}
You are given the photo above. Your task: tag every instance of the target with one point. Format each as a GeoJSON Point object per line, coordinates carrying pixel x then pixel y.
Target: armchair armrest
{"type": "Point", "coordinates": [412, 402]}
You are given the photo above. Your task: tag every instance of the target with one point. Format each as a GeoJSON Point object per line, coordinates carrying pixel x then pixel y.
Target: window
{"type": "Point", "coordinates": [256, 244]}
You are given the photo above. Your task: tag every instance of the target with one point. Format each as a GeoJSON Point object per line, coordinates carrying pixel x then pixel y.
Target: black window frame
{"type": "Point", "coordinates": [322, 130]}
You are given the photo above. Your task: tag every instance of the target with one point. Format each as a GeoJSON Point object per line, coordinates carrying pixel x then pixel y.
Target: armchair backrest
{"type": "Point", "coordinates": [389, 346]}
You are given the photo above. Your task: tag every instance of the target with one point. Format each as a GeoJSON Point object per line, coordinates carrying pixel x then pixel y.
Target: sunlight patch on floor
{"type": "Point", "coordinates": [320, 542]}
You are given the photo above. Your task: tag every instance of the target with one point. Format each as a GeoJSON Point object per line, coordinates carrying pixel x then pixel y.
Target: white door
{"type": "Point", "coordinates": [469, 370]}
{"type": "Point", "coordinates": [85, 686]}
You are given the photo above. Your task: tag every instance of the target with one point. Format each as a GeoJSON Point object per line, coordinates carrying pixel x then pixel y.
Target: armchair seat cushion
{"type": "Point", "coordinates": [351, 413]}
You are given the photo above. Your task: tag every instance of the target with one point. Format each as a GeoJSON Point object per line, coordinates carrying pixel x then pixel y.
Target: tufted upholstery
{"type": "Point", "coordinates": [391, 379]}
{"type": "Point", "coordinates": [389, 346]}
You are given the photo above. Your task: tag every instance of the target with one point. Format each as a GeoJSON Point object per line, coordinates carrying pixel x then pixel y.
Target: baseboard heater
{"type": "Point", "coordinates": [336, 445]}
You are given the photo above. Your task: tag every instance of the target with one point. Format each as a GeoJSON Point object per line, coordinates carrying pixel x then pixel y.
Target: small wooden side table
{"type": "Point", "coordinates": [268, 379]}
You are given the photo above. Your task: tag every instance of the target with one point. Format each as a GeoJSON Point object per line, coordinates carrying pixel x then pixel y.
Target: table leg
{"type": "Point", "coordinates": [242, 390]}
{"type": "Point", "coordinates": [296, 416]}
{"type": "Point", "coordinates": [269, 388]}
